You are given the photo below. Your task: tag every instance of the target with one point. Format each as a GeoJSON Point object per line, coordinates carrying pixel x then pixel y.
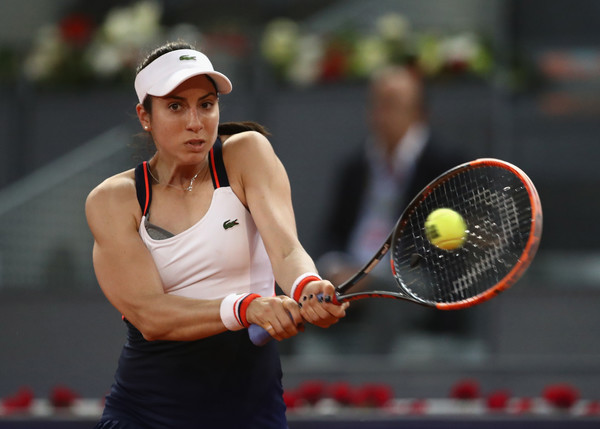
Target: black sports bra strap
{"type": "Point", "coordinates": [217, 172]}
{"type": "Point", "coordinates": [217, 166]}
{"type": "Point", "coordinates": [142, 187]}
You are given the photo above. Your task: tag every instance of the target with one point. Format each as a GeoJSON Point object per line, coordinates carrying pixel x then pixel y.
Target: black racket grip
{"type": "Point", "coordinates": [259, 336]}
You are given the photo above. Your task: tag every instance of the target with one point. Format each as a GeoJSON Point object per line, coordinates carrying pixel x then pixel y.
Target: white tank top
{"type": "Point", "coordinates": [222, 253]}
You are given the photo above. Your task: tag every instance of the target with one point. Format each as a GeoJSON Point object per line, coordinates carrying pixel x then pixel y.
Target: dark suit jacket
{"type": "Point", "coordinates": [350, 193]}
{"type": "Point", "coordinates": [351, 186]}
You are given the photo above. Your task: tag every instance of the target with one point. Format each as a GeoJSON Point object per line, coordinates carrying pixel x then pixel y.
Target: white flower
{"type": "Point", "coordinates": [146, 20]}
{"type": "Point", "coordinates": [370, 54]}
{"type": "Point", "coordinates": [104, 59]}
{"type": "Point", "coordinates": [459, 48]}
{"type": "Point", "coordinates": [46, 55]}
{"type": "Point", "coordinates": [306, 68]}
{"type": "Point", "coordinates": [393, 26]}
{"type": "Point", "coordinates": [428, 54]}
{"type": "Point", "coordinates": [279, 41]}
{"type": "Point", "coordinates": [125, 31]}
{"type": "Point", "coordinates": [134, 25]}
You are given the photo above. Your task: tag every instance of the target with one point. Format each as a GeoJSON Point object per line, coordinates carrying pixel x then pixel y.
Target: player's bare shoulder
{"type": "Point", "coordinates": [250, 161]}
{"type": "Point", "coordinates": [246, 140]}
{"type": "Point", "coordinates": [113, 197]}
{"type": "Point", "coordinates": [239, 148]}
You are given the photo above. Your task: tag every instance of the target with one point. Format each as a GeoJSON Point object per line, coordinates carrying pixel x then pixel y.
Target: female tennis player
{"type": "Point", "coordinates": [188, 247]}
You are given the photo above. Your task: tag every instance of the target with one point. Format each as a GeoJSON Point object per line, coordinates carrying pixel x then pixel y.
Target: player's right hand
{"type": "Point", "coordinates": [317, 306]}
{"type": "Point", "coordinates": [279, 315]}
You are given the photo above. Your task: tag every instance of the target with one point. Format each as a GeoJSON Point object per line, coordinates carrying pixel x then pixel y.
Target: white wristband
{"type": "Point", "coordinates": [230, 311]}
{"type": "Point", "coordinates": [299, 280]}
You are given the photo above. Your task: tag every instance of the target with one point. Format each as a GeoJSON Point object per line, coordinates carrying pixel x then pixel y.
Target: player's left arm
{"type": "Point", "coordinates": [259, 179]}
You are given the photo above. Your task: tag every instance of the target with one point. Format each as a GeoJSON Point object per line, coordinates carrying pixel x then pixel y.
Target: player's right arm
{"type": "Point", "coordinates": [128, 276]}
{"type": "Point", "coordinates": [130, 280]}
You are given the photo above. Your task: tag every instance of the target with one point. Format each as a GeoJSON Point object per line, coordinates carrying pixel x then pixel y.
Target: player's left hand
{"type": "Point", "coordinates": [317, 305]}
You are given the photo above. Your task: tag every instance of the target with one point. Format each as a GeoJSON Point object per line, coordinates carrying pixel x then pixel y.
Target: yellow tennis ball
{"type": "Point", "coordinates": [446, 229]}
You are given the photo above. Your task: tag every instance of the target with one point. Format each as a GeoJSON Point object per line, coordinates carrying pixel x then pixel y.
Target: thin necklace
{"type": "Point", "coordinates": [188, 189]}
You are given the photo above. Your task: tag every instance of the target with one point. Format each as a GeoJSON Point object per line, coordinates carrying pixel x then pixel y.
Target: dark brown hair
{"type": "Point", "coordinates": [227, 128]}
{"type": "Point", "coordinates": [230, 128]}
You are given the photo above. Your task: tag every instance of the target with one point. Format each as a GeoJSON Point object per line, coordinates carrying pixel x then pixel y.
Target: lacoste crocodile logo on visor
{"type": "Point", "coordinates": [187, 58]}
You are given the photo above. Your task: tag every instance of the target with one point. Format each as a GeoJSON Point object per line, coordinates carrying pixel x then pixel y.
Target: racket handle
{"type": "Point", "coordinates": [333, 300]}
{"type": "Point", "coordinates": [258, 335]}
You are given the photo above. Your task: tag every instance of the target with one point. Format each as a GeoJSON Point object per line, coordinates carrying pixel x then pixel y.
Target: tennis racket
{"type": "Point", "coordinates": [503, 216]}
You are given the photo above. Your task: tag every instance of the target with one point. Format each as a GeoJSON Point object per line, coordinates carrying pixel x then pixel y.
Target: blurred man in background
{"type": "Point", "coordinates": [400, 157]}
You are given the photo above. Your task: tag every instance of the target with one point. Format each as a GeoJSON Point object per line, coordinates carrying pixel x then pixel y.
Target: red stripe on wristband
{"type": "Point", "coordinates": [301, 284]}
{"type": "Point", "coordinates": [236, 306]}
{"type": "Point", "coordinates": [244, 306]}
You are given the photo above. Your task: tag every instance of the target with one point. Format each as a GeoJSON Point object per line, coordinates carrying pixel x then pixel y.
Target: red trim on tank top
{"type": "Point", "coordinates": [214, 168]}
{"type": "Point", "coordinates": [147, 184]}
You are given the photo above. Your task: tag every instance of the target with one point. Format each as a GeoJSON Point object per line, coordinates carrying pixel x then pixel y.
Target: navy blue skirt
{"type": "Point", "coordinates": [223, 381]}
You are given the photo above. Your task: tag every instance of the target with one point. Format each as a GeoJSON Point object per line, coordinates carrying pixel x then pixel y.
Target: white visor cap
{"type": "Point", "coordinates": [170, 70]}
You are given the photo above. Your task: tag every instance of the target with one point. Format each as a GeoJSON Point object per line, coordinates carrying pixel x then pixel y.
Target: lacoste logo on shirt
{"type": "Point", "coordinates": [230, 223]}
{"type": "Point", "coordinates": [187, 58]}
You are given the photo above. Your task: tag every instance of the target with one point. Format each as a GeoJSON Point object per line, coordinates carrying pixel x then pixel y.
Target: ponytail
{"type": "Point", "coordinates": [230, 128]}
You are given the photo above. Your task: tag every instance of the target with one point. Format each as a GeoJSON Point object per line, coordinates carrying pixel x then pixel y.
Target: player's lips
{"type": "Point", "coordinates": [195, 143]}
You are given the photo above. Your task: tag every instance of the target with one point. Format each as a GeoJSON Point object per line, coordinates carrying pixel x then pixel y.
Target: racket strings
{"type": "Point", "coordinates": [502, 234]}
{"type": "Point", "coordinates": [496, 207]}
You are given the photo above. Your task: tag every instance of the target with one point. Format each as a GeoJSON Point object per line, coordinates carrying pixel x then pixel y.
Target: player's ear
{"type": "Point", "coordinates": [143, 116]}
